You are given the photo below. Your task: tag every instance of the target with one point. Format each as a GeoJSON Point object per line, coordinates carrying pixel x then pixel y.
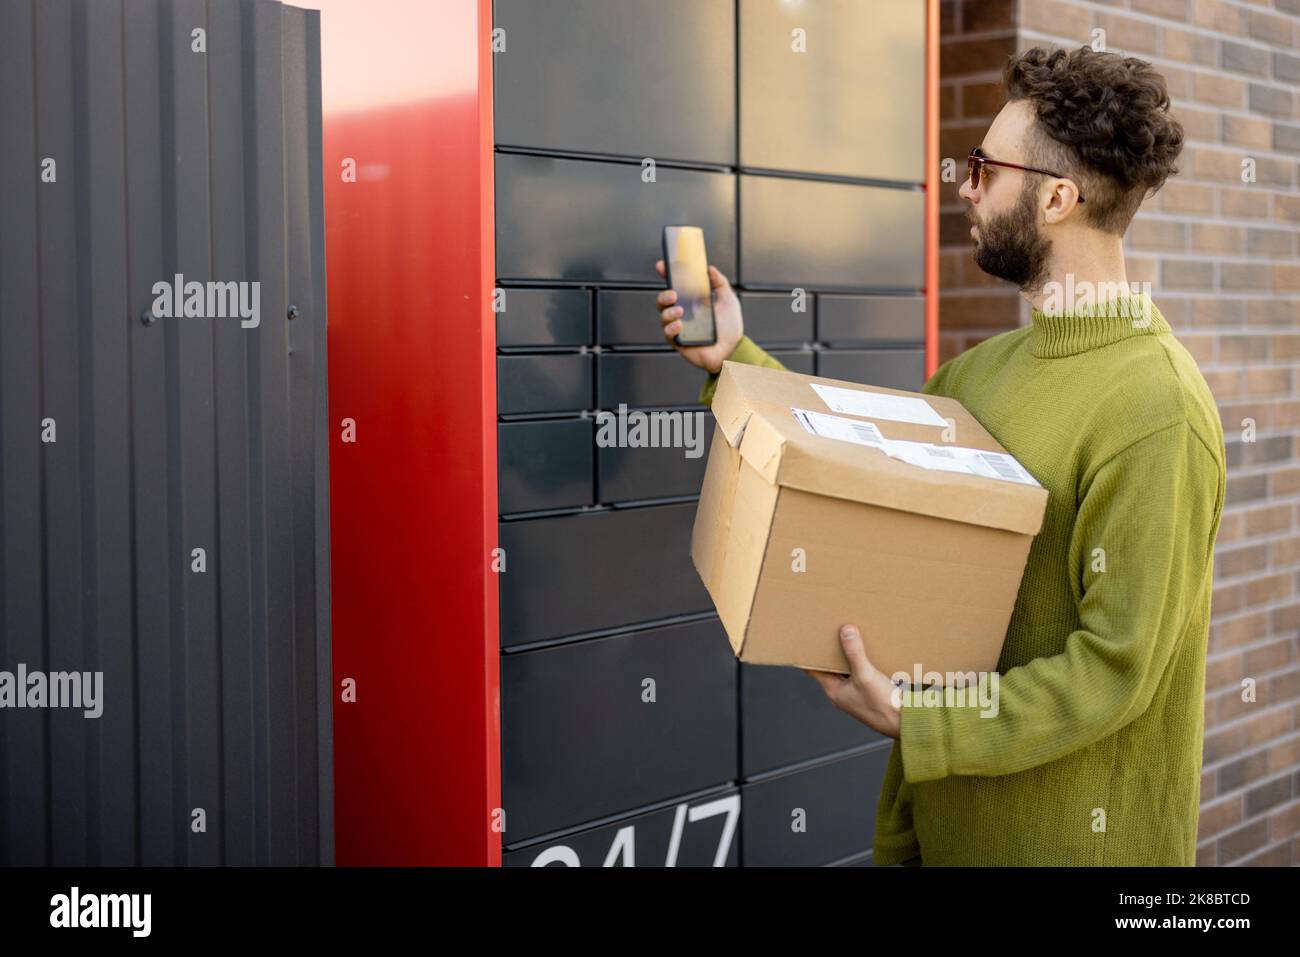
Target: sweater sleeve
{"type": "Point", "coordinates": [1139, 553]}
{"type": "Point", "coordinates": [748, 351]}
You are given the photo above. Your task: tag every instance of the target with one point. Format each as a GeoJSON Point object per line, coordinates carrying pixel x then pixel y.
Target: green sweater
{"type": "Point", "coordinates": [1094, 755]}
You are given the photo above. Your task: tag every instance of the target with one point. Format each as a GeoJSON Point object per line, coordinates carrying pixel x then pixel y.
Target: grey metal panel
{"type": "Point", "coordinates": [562, 219]}
{"type": "Point", "coordinates": [834, 236]}
{"type": "Point", "coordinates": [787, 718]}
{"type": "Point", "coordinates": [891, 368]}
{"type": "Point", "coordinates": [851, 103]}
{"type": "Point", "coordinates": [628, 317]}
{"type": "Point", "coordinates": [838, 800]}
{"type": "Point", "coordinates": [583, 573]}
{"type": "Point", "coordinates": [545, 317]}
{"type": "Point", "coordinates": [578, 730]}
{"type": "Point", "coordinates": [24, 747]}
{"type": "Point", "coordinates": [772, 318]}
{"type": "Point", "coordinates": [628, 473]}
{"type": "Point", "coordinates": [545, 465]}
{"type": "Point", "coordinates": [549, 383]}
{"type": "Point", "coordinates": [698, 831]}
{"type": "Point", "coordinates": [801, 362]}
{"type": "Point", "coordinates": [871, 320]}
{"type": "Point", "coordinates": [580, 76]}
{"type": "Point", "coordinates": [181, 434]}
{"type": "Point", "coordinates": [647, 379]}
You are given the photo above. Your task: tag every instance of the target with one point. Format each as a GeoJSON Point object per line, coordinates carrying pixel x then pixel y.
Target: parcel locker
{"type": "Point", "coordinates": [590, 221]}
{"type": "Point", "coordinates": [815, 815]}
{"type": "Point", "coordinates": [788, 719]}
{"type": "Point", "coordinates": [544, 465]}
{"type": "Point", "coordinates": [695, 831]}
{"type": "Point", "coordinates": [891, 368]}
{"type": "Point", "coordinates": [598, 571]}
{"type": "Point", "coordinates": [640, 79]}
{"type": "Point", "coordinates": [544, 317]}
{"type": "Point", "coordinates": [604, 725]}
{"type": "Point", "coordinates": [802, 139]}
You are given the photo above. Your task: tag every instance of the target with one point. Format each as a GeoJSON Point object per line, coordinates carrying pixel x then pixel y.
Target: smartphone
{"type": "Point", "coordinates": [687, 271]}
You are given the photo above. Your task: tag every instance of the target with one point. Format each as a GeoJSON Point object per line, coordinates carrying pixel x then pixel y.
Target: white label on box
{"type": "Point", "coordinates": [834, 427]}
{"type": "Point", "coordinates": [959, 458]}
{"type": "Point", "coordinates": [945, 458]}
{"type": "Point", "coordinates": [877, 405]}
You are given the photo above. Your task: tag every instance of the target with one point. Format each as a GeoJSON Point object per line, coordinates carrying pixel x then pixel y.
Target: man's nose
{"type": "Point", "coordinates": [965, 192]}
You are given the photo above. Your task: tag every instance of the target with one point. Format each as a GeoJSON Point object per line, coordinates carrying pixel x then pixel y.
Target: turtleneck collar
{"type": "Point", "coordinates": [1054, 336]}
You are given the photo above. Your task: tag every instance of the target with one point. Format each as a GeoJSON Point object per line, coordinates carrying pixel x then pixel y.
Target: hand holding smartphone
{"type": "Point", "coordinates": [688, 275]}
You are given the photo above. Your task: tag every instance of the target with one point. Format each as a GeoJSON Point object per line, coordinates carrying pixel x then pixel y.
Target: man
{"type": "Point", "coordinates": [1094, 755]}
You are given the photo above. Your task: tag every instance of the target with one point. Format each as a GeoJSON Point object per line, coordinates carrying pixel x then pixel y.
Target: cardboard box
{"type": "Point", "coordinates": [828, 502]}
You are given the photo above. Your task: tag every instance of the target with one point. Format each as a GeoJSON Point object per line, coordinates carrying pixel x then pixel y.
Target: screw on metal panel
{"type": "Point", "coordinates": [293, 312]}
{"type": "Point", "coordinates": [148, 318]}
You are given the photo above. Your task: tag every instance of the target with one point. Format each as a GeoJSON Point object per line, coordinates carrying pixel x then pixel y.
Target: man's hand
{"type": "Point", "coordinates": [866, 693]}
{"type": "Point", "coordinates": [728, 322]}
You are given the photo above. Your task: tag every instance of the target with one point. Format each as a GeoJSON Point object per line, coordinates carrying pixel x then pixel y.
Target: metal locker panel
{"type": "Point", "coordinates": [582, 573]}
{"type": "Point", "coordinates": [787, 719]}
{"type": "Point", "coordinates": [628, 473]}
{"type": "Point", "coordinates": [833, 236]}
{"type": "Point", "coordinates": [770, 318]}
{"type": "Point", "coordinates": [172, 435]}
{"type": "Point", "coordinates": [850, 103]}
{"type": "Point", "coordinates": [891, 368]}
{"type": "Point", "coordinates": [647, 379]}
{"type": "Point", "coordinates": [579, 76]}
{"type": "Point", "coordinates": [871, 320]}
{"type": "Point", "coordinates": [578, 736]}
{"type": "Point", "coordinates": [802, 362]}
{"type": "Point", "coordinates": [700, 832]}
{"type": "Point", "coordinates": [544, 465]}
{"type": "Point", "coordinates": [550, 383]}
{"type": "Point", "coordinates": [545, 317]}
{"type": "Point", "coordinates": [838, 800]}
{"type": "Point", "coordinates": [629, 317]}
{"type": "Point", "coordinates": [586, 221]}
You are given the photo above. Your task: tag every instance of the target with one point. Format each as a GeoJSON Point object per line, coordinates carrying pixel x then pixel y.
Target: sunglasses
{"type": "Point", "coordinates": [976, 162]}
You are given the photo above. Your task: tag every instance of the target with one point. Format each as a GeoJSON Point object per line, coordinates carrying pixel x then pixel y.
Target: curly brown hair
{"type": "Point", "coordinates": [1106, 122]}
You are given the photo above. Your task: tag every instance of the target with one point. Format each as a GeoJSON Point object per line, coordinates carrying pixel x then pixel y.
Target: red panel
{"type": "Point", "coordinates": [409, 252]}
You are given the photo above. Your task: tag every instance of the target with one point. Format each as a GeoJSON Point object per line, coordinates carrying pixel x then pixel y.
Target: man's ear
{"type": "Point", "coordinates": [1062, 199]}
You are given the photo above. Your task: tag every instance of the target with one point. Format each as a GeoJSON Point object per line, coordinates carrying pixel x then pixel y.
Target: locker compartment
{"type": "Point", "coordinates": [544, 465]}
{"type": "Point", "coordinates": [871, 320]}
{"type": "Point", "coordinates": [891, 368]}
{"type": "Point", "coordinates": [556, 383]}
{"type": "Point", "coordinates": [628, 473]}
{"type": "Point", "coordinates": [853, 104]}
{"type": "Point", "coordinates": [628, 317]}
{"type": "Point", "coordinates": [579, 741]}
{"type": "Point", "coordinates": [839, 804]}
{"type": "Point", "coordinates": [648, 379]}
{"type": "Point", "coordinates": [588, 221]}
{"type": "Point", "coordinates": [787, 719]}
{"type": "Point", "coordinates": [831, 235]}
{"type": "Point", "coordinates": [769, 318]}
{"type": "Point", "coordinates": [580, 76]}
{"type": "Point", "coordinates": [795, 361]}
{"type": "Point", "coordinates": [707, 835]}
{"type": "Point", "coordinates": [545, 317]}
{"type": "Point", "coordinates": [579, 573]}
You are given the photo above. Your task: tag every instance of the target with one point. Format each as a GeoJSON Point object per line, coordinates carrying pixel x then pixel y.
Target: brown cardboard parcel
{"type": "Point", "coordinates": [926, 562]}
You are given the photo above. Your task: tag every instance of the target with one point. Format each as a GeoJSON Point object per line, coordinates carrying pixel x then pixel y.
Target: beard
{"type": "Point", "coordinates": [1011, 247]}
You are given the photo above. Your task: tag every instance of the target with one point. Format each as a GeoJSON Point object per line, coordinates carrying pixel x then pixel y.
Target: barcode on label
{"type": "Point", "coordinates": [865, 434]}
{"type": "Point", "coordinates": [1001, 466]}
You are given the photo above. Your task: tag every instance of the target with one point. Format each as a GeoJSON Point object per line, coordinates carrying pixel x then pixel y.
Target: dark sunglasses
{"type": "Point", "coordinates": [976, 162]}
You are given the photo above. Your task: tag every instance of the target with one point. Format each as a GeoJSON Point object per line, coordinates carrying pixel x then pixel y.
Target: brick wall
{"type": "Point", "coordinates": [1222, 256]}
